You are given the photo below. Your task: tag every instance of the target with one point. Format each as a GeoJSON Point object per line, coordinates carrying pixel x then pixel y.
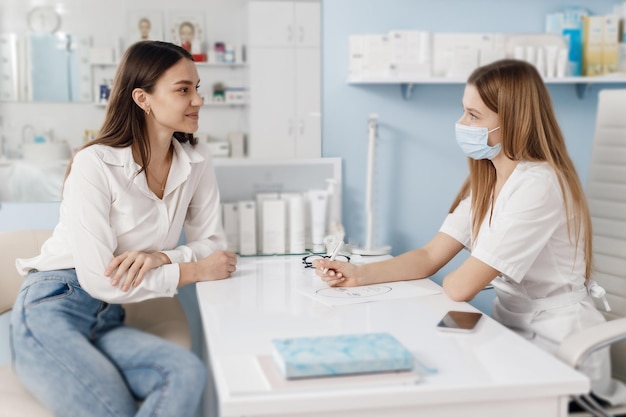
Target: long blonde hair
{"type": "Point", "coordinates": [515, 91]}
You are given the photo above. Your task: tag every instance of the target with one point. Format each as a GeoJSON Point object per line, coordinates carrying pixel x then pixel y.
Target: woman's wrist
{"type": "Point", "coordinates": [359, 275]}
{"type": "Point", "coordinates": [165, 260]}
{"type": "Point", "coordinates": [188, 273]}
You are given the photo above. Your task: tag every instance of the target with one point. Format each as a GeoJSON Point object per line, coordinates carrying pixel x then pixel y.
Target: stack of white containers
{"type": "Point", "coordinates": [281, 223]}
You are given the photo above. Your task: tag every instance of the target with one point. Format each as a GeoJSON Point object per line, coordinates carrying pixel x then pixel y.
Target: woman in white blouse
{"type": "Point", "coordinates": [521, 213]}
{"type": "Point", "coordinates": [127, 196]}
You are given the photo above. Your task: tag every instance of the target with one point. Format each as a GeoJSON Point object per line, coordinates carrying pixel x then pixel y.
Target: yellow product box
{"type": "Point", "coordinates": [593, 29]}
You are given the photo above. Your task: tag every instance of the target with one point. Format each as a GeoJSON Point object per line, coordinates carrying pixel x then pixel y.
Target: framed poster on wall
{"type": "Point", "coordinates": [144, 25]}
{"type": "Point", "coordinates": [187, 30]}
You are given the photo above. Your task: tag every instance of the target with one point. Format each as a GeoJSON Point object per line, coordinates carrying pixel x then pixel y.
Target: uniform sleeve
{"type": "Point", "coordinates": [204, 233]}
{"type": "Point", "coordinates": [522, 226]}
{"type": "Point", "coordinates": [458, 223]}
{"type": "Point", "coordinates": [87, 206]}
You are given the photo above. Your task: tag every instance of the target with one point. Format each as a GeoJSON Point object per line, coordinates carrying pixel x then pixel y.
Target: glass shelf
{"type": "Point", "coordinates": [199, 64]}
{"type": "Point", "coordinates": [582, 84]}
{"type": "Point", "coordinates": [223, 104]}
{"type": "Point", "coordinates": [221, 64]}
{"type": "Point", "coordinates": [209, 104]}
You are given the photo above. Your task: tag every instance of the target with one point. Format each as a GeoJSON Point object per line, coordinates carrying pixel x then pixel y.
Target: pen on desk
{"type": "Point", "coordinates": [333, 254]}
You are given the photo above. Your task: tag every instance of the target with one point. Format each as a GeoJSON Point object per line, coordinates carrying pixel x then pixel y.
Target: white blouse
{"type": "Point", "coordinates": [526, 237]}
{"type": "Point", "coordinates": [108, 208]}
{"type": "Point", "coordinates": [541, 292]}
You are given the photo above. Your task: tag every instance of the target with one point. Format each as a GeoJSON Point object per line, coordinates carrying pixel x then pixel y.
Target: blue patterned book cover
{"type": "Point", "coordinates": [305, 357]}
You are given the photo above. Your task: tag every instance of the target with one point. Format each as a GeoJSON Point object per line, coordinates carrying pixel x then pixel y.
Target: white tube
{"type": "Point", "coordinates": [519, 52]}
{"type": "Point", "coordinates": [551, 57]}
{"type": "Point", "coordinates": [540, 62]}
{"type": "Point", "coordinates": [334, 205]}
{"type": "Point", "coordinates": [369, 193]}
{"type": "Point", "coordinates": [296, 224]}
{"type": "Point", "coordinates": [319, 203]}
{"type": "Point", "coordinates": [369, 190]}
{"type": "Point", "coordinates": [562, 63]}
{"type": "Point", "coordinates": [531, 54]}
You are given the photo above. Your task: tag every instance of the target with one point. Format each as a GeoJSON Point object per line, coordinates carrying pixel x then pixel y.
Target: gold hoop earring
{"type": "Point", "coordinates": [147, 111]}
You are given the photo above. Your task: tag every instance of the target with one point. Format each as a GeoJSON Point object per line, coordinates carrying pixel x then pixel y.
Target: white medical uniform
{"type": "Point", "coordinates": [108, 208]}
{"type": "Point", "coordinates": [541, 292]}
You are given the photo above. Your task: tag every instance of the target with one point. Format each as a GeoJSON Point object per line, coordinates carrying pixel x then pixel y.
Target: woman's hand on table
{"type": "Point", "coordinates": [339, 273]}
{"type": "Point", "coordinates": [218, 265]}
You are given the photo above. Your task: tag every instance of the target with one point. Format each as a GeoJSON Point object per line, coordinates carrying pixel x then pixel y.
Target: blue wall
{"type": "Point", "coordinates": [419, 165]}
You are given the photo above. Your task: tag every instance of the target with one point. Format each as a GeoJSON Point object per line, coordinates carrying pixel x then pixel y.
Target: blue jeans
{"type": "Point", "coordinates": [76, 355]}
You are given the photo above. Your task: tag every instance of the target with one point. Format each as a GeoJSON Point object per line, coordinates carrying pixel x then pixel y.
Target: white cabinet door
{"type": "Point", "coordinates": [285, 92]}
{"type": "Point", "coordinates": [284, 23]}
{"type": "Point", "coordinates": [9, 75]}
{"type": "Point", "coordinates": [271, 23]}
{"type": "Point", "coordinates": [272, 107]}
{"type": "Point", "coordinates": [307, 97]}
{"type": "Point", "coordinates": [285, 82]}
{"type": "Point", "coordinates": [307, 23]}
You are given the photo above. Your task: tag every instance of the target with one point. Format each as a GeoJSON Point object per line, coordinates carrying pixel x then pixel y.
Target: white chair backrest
{"type": "Point", "coordinates": [16, 244]}
{"type": "Point", "coordinates": [606, 193]}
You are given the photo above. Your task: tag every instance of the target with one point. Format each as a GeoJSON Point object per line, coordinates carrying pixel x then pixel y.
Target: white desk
{"type": "Point", "coordinates": [492, 372]}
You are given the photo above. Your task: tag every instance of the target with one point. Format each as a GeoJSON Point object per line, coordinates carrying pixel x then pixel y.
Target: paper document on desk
{"type": "Point", "coordinates": [333, 296]}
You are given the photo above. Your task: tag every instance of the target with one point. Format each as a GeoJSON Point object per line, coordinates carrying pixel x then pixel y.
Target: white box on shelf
{"type": "Point", "coordinates": [454, 53]}
{"type": "Point", "coordinates": [489, 55]}
{"type": "Point", "coordinates": [260, 198]}
{"type": "Point", "coordinates": [274, 227]}
{"type": "Point", "coordinates": [410, 53]}
{"type": "Point", "coordinates": [296, 220]}
{"type": "Point", "coordinates": [463, 61]}
{"type": "Point", "coordinates": [230, 221]}
{"type": "Point", "coordinates": [294, 215]}
{"type": "Point", "coordinates": [247, 227]}
{"type": "Point", "coordinates": [219, 148]}
{"type": "Point", "coordinates": [235, 95]}
{"type": "Point", "coordinates": [370, 55]}
{"type": "Point", "coordinates": [237, 144]}
{"type": "Point", "coordinates": [356, 56]}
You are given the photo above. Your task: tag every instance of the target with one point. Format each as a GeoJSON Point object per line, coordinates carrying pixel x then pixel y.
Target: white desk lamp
{"type": "Point", "coordinates": [369, 249]}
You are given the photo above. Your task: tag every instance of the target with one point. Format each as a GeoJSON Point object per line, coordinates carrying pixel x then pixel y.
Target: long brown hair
{"type": "Point", "coordinates": [515, 91]}
{"type": "Point", "coordinates": [124, 124]}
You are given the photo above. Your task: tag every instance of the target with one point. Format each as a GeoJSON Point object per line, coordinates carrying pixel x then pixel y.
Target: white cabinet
{"type": "Point", "coordinates": [284, 23]}
{"type": "Point", "coordinates": [9, 76]}
{"type": "Point", "coordinates": [284, 79]}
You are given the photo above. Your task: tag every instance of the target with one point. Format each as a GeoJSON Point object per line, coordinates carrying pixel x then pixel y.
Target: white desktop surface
{"type": "Point", "coordinates": [491, 372]}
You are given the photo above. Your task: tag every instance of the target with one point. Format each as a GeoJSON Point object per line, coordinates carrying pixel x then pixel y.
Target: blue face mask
{"type": "Point", "coordinates": [473, 141]}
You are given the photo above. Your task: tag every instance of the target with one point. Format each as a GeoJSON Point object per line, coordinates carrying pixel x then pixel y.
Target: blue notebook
{"type": "Point", "coordinates": [306, 357]}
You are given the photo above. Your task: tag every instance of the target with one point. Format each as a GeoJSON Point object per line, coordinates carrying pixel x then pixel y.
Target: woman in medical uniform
{"type": "Point", "coordinates": [521, 213]}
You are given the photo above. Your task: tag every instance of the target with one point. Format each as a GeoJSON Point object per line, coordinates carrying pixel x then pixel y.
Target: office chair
{"type": "Point", "coordinates": [606, 193]}
{"type": "Point", "coordinates": [163, 317]}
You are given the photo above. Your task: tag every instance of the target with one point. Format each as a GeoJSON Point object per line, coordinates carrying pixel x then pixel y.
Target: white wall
{"type": "Point", "coordinates": [106, 22]}
{"type": "Point", "coordinates": [108, 25]}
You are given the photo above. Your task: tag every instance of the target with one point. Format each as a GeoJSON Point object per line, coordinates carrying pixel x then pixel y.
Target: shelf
{"type": "Point", "coordinates": [199, 64]}
{"type": "Point", "coordinates": [582, 84]}
{"type": "Point", "coordinates": [221, 64]}
{"type": "Point", "coordinates": [222, 104]}
{"type": "Point", "coordinates": [210, 104]}
{"type": "Point", "coordinates": [108, 67]}
{"type": "Point", "coordinates": [104, 64]}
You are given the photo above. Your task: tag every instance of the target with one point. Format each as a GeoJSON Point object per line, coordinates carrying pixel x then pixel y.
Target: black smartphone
{"type": "Point", "coordinates": [459, 321]}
